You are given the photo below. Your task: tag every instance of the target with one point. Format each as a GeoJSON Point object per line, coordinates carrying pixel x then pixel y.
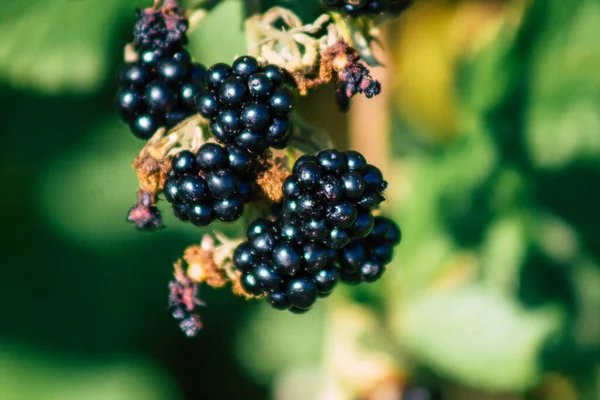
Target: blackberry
{"type": "Point", "coordinates": [160, 88]}
{"type": "Point", "coordinates": [206, 186]}
{"type": "Point", "coordinates": [330, 196]}
{"type": "Point", "coordinates": [248, 105]}
{"type": "Point", "coordinates": [357, 8]}
{"type": "Point", "coordinates": [277, 262]}
{"type": "Point", "coordinates": [364, 260]}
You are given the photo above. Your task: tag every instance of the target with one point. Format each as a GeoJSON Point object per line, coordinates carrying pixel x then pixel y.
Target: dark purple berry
{"type": "Point", "coordinates": [353, 184]}
{"type": "Point", "coordinates": [133, 74]}
{"type": "Point", "coordinates": [250, 284]}
{"type": "Point", "coordinates": [129, 103]}
{"type": "Point", "coordinates": [316, 230]}
{"type": "Point", "coordinates": [201, 214]}
{"type": "Point", "coordinates": [172, 72]}
{"type": "Point", "coordinates": [158, 97]}
{"type": "Point", "coordinates": [256, 117]}
{"type": "Point", "coordinates": [228, 210]}
{"type": "Point", "coordinates": [342, 215]}
{"type": "Point", "coordinates": [268, 280]}
{"type": "Point", "coordinates": [245, 66]}
{"type": "Point", "coordinates": [371, 270]}
{"type": "Point", "coordinates": [243, 257]}
{"type": "Point", "coordinates": [233, 91]}
{"type": "Point", "coordinates": [259, 86]}
{"type": "Point", "coordinates": [291, 190]}
{"type": "Point", "coordinates": [279, 133]}
{"type": "Point", "coordinates": [144, 126]}
{"type": "Point", "coordinates": [251, 141]}
{"type": "Point", "coordinates": [355, 161]}
{"type": "Point", "coordinates": [211, 156]}
{"type": "Point", "coordinates": [374, 179]}
{"type": "Point", "coordinates": [338, 238]}
{"type": "Point", "coordinates": [278, 300]}
{"type": "Point", "coordinates": [332, 161]}
{"type": "Point", "coordinates": [171, 191]}
{"type": "Point", "coordinates": [229, 121]}
{"type": "Point", "coordinates": [282, 101]}
{"type": "Point", "coordinates": [258, 227]}
{"type": "Point", "coordinates": [302, 292]}
{"type": "Point", "coordinates": [192, 189]}
{"type": "Point", "coordinates": [207, 104]}
{"type": "Point", "coordinates": [308, 175]}
{"type": "Point", "coordinates": [273, 72]}
{"type": "Point", "coordinates": [286, 260]}
{"type": "Point", "coordinates": [222, 183]}
{"type": "Point", "coordinates": [314, 258]}
{"type": "Point", "coordinates": [241, 161]}
{"type": "Point", "coordinates": [326, 279]}
{"type": "Point", "coordinates": [183, 162]}
{"type": "Point", "coordinates": [264, 243]}
{"type": "Point", "coordinates": [217, 74]}
{"type": "Point", "coordinates": [188, 93]}
{"type": "Point", "coordinates": [353, 255]}
{"type": "Point", "coordinates": [331, 189]}
{"type": "Point", "coordinates": [363, 225]}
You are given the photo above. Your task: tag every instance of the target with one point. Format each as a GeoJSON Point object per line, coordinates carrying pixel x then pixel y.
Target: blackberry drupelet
{"type": "Point", "coordinates": [248, 105]}
{"type": "Point", "coordinates": [159, 89]}
{"type": "Point", "coordinates": [292, 273]}
{"type": "Point", "coordinates": [357, 8]}
{"type": "Point", "coordinates": [330, 197]}
{"type": "Point", "coordinates": [364, 260]}
{"type": "Point", "coordinates": [208, 186]}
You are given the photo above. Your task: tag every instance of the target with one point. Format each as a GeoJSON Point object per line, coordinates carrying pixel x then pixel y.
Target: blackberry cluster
{"type": "Point", "coordinates": [248, 105]}
{"type": "Point", "coordinates": [364, 260]}
{"type": "Point", "coordinates": [290, 271]}
{"type": "Point", "coordinates": [212, 184]}
{"type": "Point", "coordinates": [159, 89]}
{"type": "Point", "coordinates": [357, 8]}
{"type": "Point", "coordinates": [325, 232]}
{"type": "Point", "coordinates": [330, 197]}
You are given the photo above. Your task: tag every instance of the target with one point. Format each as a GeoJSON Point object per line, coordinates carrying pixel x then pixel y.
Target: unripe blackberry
{"type": "Point", "coordinates": [206, 186]}
{"type": "Point", "coordinates": [248, 105]}
{"type": "Point", "coordinates": [330, 196]}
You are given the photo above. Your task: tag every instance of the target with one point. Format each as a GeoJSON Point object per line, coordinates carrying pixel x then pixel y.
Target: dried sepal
{"type": "Point", "coordinates": [183, 301]}
{"type": "Point", "coordinates": [144, 213]}
{"type": "Point", "coordinates": [271, 180]}
{"type": "Point", "coordinates": [211, 263]}
{"type": "Point", "coordinates": [352, 76]}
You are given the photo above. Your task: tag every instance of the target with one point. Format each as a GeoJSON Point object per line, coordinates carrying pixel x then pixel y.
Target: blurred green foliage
{"type": "Point", "coordinates": [495, 285]}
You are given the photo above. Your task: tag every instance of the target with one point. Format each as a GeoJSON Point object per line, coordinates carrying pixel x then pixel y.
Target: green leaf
{"type": "Point", "coordinates": [477, 338]}
{"type": "Point", "coordinates": [59, 45]}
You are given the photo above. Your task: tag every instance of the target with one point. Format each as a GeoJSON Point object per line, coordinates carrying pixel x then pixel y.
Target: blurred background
{"type": "Point", "coordinates": [488, 129]}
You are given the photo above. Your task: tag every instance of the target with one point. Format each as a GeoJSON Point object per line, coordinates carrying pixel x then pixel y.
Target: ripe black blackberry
{"type": "Point", "coordinates": [357, 8]}
{"type": "Point", "coordinates": [364, 260]}
{"type": "Point", "coordinates": [159, 89]}
{"type": "Point", "coordinates": [330, 197]}
{"type": "Point", "coordinates": [212, 184]}
{"type": "Point", "coordinates": [289, 271]}
{"type": "Point", "coordinates": [248, 105]}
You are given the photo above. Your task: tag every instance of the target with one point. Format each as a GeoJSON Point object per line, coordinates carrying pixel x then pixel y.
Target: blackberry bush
{"type": "Point", "coordinates": [248, 105]}
{"type": "Point", "coordinates": [160, 87]}
{"type": "Point", "coordinates": [212, 184]}
{"type": "Point", "coordinates": [313, 224]}
{"type": "Point", "coordinates": [331, 196]}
